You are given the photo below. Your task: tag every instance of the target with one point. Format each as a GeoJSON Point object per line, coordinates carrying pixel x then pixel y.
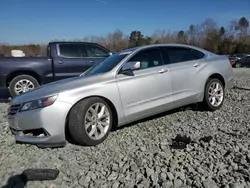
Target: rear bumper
{"type": "Point", "coordinates": [4, 90]}
{"type": "Point", "coordinates": [230, 83]}
{"type": "Point", "coordinates": [4, 94]}
{"type": "Point", "coordinates": [2, 81]}
{"type": "Point", "coordinates": [229, 78]}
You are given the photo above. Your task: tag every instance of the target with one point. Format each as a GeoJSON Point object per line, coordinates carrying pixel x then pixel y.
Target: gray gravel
{"type": "Point", "coordinates": [140, 155]}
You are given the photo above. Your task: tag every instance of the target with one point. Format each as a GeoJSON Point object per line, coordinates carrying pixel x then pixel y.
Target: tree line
{"type": "Point", "coordinates": [231, 39]}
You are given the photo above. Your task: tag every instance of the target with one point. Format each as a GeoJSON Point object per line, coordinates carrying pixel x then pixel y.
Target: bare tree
{"type": "Point", "coordinates": [234, 38]}
{"type": "Point", "coordinates": [163, 36]}
{"type": "Point", "coordinates": [117, 41]}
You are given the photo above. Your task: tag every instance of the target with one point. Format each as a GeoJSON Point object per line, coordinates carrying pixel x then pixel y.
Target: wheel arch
{"type": "Point", "coordinates": [112, 106]}
{"type": "Point", "coordinates": [213, 75]}
{"type": "Point", "coordinates": [217, 76]}
{"type": "Point", "coordinates": [14, 74]}
{"type": "Point", "coordinates": [207, 106]}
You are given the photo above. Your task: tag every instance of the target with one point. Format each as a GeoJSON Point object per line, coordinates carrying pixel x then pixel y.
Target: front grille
{"type": "Point", "coordinates": [13, 109]}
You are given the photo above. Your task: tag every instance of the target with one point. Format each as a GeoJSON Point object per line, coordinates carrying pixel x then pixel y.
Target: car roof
{"type": "Point", "coordinates": [71, 42]}
{"type": "Point", "coordinates": [163, 45]}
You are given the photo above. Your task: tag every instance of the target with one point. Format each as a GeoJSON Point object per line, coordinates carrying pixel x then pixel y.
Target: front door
{"type": "Point", "coordinates": [141, 93]}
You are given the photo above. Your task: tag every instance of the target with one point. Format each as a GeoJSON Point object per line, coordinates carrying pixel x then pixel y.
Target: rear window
{"type": "Point", "coordinates": [198, 54]}
{"type": "Point", "coordinates": [178, 54]}
{"type": "Point", "coordinates": [96, 51]}
{"type": "Point", "coordinates": [48, 51]}
{"type": "Point", "coordinates": [72, 50]}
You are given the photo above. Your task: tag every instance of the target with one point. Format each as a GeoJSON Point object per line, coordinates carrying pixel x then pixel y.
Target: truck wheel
{"type": "Point", "coordinates": [21, 84]}
{"type": "Point", "coordinates": [214, 94]}
{"type": "Point", "coordinates": [90, 121]}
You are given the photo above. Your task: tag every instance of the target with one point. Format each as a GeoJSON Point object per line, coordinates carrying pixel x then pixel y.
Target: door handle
{"type": "Point", "coordinates": [196, 65]}
{"type": "Point", "coordinates": [163, 70]}
{"type": "Point", "coordinates": [60, 62]}
{"type": "Point", "coordinates": [91, 61]}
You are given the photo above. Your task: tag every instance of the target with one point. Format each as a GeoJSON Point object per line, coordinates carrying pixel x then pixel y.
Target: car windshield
{"type": "Point", "coordinates": [105, 66]}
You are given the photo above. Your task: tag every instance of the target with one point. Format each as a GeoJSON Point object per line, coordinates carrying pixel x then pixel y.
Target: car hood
{"type": "Point", "coordinates": [56, 87]}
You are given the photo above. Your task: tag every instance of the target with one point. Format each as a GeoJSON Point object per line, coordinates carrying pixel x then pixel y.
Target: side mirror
{"type": "Point", "coordinates": [110, 53]}
{"type": "Point", "coordinates": [131, 65]}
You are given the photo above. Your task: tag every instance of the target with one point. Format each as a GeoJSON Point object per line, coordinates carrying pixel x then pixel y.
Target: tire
{"type": "Point", "coordinates": [12, 87]}
{"type": "Point", "coordinates": [206, 102]}
{"type": "Point", "coordinates": [237, 65]}
{"type": "Point", "coordinates": [77, 122]}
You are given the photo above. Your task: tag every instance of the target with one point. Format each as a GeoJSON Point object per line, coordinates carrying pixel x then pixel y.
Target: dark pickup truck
{"type": "Point", "coordinates": [243, 62]}
{"type": "Point", "coordinates": [64, 60]}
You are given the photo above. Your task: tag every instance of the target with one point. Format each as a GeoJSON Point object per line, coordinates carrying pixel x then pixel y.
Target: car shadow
{"type": "Point", "coordinates": [4, 96]}
{"type": "Point", "coordinates": [19, 181]}
{"type": "Point", "coordinates": [193, 107]}
{"type": "Point", "coordinates": [4, 100]}
{"type": "Point", "coordinates": [241, 88]}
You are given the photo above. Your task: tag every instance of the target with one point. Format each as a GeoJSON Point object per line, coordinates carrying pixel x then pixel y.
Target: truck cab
{"type": "Point", "coordinates": [63, 60]}
{"type": "Point", "coordinates": [72, 58]}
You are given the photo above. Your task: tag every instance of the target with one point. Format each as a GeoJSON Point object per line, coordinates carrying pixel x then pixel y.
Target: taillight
{"type": "Point", "coordinates": [230, 61]}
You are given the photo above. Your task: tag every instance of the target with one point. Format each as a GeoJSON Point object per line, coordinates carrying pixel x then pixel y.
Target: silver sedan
{"type": "Point", "coordinates": [130, 85]}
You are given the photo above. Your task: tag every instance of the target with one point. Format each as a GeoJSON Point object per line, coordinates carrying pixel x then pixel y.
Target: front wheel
{"type": "Point", "coordinates": [214, 94]}
{"type": "Point", "coordinates": [90, 121]}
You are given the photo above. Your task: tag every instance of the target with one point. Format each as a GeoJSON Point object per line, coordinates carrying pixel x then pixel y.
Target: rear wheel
{"type": "Point", "coordinates": [214, 94]}
{"type": "Point", "coordinates": [21, 84]}
{"type": "Point", "coordinates": [90, 121]}
{"type": "Point", "coordinates": [237, 65]}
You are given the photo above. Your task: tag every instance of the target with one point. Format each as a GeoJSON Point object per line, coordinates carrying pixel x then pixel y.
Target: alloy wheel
{"type": "Point", "coordinates": [23, 86]}
{"type": "Point", "coordinates": [97, 121]}
{"type": "Point", "coordinates": [215, 94]}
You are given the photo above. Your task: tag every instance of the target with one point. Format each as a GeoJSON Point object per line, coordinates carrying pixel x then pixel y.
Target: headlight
{"type": "Point", "coordinates": [39, 103]}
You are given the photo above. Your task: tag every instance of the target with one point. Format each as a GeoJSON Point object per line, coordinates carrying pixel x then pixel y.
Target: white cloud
{"type": "Point", "coordinates": [101, 1]}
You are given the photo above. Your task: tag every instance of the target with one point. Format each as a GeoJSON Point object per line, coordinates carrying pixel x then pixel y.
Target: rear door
{"type": "Point", "coordinates": [71, 60]}
{"type": "Point", "coordinates": [184, 65]}
{"type": "Point", "coordinates": [96, 53]}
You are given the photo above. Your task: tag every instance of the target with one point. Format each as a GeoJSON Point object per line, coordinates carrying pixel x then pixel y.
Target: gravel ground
{"type": "Point", "coordinates": [141, 155]}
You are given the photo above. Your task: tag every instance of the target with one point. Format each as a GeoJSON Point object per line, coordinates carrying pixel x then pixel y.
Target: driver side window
{"type": "Point", "coordinates": [148, 58]}
{"type": "Point", "coordinates": [95, 51]}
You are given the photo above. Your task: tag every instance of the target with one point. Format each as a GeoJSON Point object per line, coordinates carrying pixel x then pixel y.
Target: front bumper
{"type": "Point", "coordinates": [230, 83]}
{"type": "Point", "coordinates": [44, 127]}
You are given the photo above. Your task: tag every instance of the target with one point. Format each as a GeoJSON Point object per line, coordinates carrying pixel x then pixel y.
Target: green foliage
{"type": "Point", "coordinates": [181, 37]}
{"type": "Point", "coordinates": [137, 39]}
{"type": "Point", "coordinates": [222, 31]}
{"type": "Point", "coordinates": [243, 23]}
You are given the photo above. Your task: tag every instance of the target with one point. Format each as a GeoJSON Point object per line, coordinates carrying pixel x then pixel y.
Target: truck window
{"type": "Point", "coordinates": [105, 66]}
{"type": "Point", "coordinates": [96, 51]}
{"type": "Point", "coordinates": [48, 51]}
{"type": "Point", "coordinates": [72, 50]}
